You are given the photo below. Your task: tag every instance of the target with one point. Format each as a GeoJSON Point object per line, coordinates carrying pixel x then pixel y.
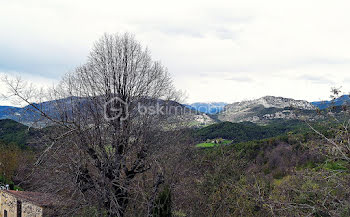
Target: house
{"type": "Point", "coordinates": [25, 204]}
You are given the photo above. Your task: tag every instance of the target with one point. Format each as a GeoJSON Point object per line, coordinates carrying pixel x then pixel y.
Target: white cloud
{"type": "Point", "coordinates": [295, 48]}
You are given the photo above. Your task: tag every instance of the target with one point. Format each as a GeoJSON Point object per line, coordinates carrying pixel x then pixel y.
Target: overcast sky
{"type": "Point", "coordinates": [215, 50]}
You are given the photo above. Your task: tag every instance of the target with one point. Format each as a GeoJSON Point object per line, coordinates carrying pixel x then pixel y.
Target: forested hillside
{"type": "Point", "coordinates": [14, 132]}
{"type": "Point", "coordinates": [246, 131]}
{"type": "Point", "coordinates": [293, 174]}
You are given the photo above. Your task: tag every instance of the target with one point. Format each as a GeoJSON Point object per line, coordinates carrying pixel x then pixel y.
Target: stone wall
{"type": "Point", "coordinates": [8, 202]}
{"type": "Point", "coordinates": [31, 210]}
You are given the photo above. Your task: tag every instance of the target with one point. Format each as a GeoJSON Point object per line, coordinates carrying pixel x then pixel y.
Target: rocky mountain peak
{"type": "Point", "coordinates": [280, 102]}
{"type": "Point", "coordinates": [264, 109]}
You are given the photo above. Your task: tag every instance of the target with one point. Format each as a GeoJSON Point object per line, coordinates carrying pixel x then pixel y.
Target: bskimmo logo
{"type": "Point", "coordinates": [116, 108]}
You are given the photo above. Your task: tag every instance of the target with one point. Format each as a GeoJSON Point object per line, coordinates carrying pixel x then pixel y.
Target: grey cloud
{"type": "Point", "coordinates": [321, 61]}
{"type": "Point", "coordinates": [224, 33]}
{"type": "Point", "coordinates": [176, 30]}
{"type": "Point", "coordinates": [199, 31]}
{"type": "Point", "coordinates": [215, 23]}
{"type": "Point", "coordinates": [315, 79]}
{"type": "Point", "coordinates": [240, 79]}
{"type": "Point", "coordinates": [227, 17]}
{"type": "Point", "coordinates": [38, 60]}
{"type": "Point", "coordinates": [171, 29]}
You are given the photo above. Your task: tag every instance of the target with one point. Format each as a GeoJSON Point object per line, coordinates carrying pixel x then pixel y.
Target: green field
{"type": "Point", "coordinates": [212, 144]}
{"type": "Point", "coordinates": [206, 145]}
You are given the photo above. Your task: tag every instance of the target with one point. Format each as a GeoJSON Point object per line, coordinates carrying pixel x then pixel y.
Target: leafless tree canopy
{"type": "Point", "coordinates": [102, 141]}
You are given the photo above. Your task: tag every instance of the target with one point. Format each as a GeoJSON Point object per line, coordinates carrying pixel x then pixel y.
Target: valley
{"type": "Point", "coordinates": [114, 136]}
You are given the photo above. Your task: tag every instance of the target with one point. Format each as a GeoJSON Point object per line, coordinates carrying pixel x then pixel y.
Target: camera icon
{"type": "Point", "coordinates": [116, 108]}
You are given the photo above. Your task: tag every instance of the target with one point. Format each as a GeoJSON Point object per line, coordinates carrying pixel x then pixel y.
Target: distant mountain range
{"type": "Point", "coordinates": [178, 115]}
{"type": "Point", "coordinates": [265, 109]}
{"type": "Point", "coordinates": [269, 101]}
{"type": "Point", "coordinates": [208, 108]}
{"type": "Point", "coordinates": [6, 111]}
{"type": "Point", "coordinates": [27, 115]}
{"type": "Point", "coordinates": [4, 108]}
{"type": "Point", "coordinates": [260, 110]}
{"type": "Point", "coordinates": [343, 100]}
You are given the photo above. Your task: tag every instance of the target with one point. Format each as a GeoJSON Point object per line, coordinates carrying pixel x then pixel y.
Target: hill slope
{"type": "Point", "coordinates": [247, 131]}
{"type": "Point", "coordinates": [178, 115]}
{"type": "Point", "coordinates": [208, 108]}
{"type": "Point", "coordinates": [343, 100]}
{"type": "Point", "coordinates": [14, 132]}
{"type": "Point", "coordinates": [265, 109]}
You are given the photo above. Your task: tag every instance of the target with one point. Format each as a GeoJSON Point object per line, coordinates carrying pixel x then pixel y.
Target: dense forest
{"type": "Point", "coordinates": [246, 131]}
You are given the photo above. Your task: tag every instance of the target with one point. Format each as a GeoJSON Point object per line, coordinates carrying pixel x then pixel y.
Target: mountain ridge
{"type": "Point", "coordinates": [264, 109]}
{"type": "Point", "coordinates": [342, 100]}
{"type": "Point", "coordinates": [207, 107]}
{"type": "Point", "coordinates": [261, 110]}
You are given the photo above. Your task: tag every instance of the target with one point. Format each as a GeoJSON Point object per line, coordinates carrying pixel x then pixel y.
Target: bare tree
{"type": "Point", "coordinates": [298, 195]}
{"type": "Point", "coordinates": [106, 141]}
{"type": "Point", "coordinates": [337, 147]}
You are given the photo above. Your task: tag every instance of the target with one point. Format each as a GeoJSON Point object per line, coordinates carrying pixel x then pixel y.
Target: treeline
{"type": "Point", "coordinates": [15, 153]}
{"type": "Point", "coordinates": [17, 133]}
{"type": "Point", "coordinates": [247, 131]}
{"type": "Point", "coordinates": [14, 163]}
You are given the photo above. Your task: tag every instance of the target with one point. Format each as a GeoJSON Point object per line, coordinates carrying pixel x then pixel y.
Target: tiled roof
{"type": "Point", "coordinates": [40, 199]}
